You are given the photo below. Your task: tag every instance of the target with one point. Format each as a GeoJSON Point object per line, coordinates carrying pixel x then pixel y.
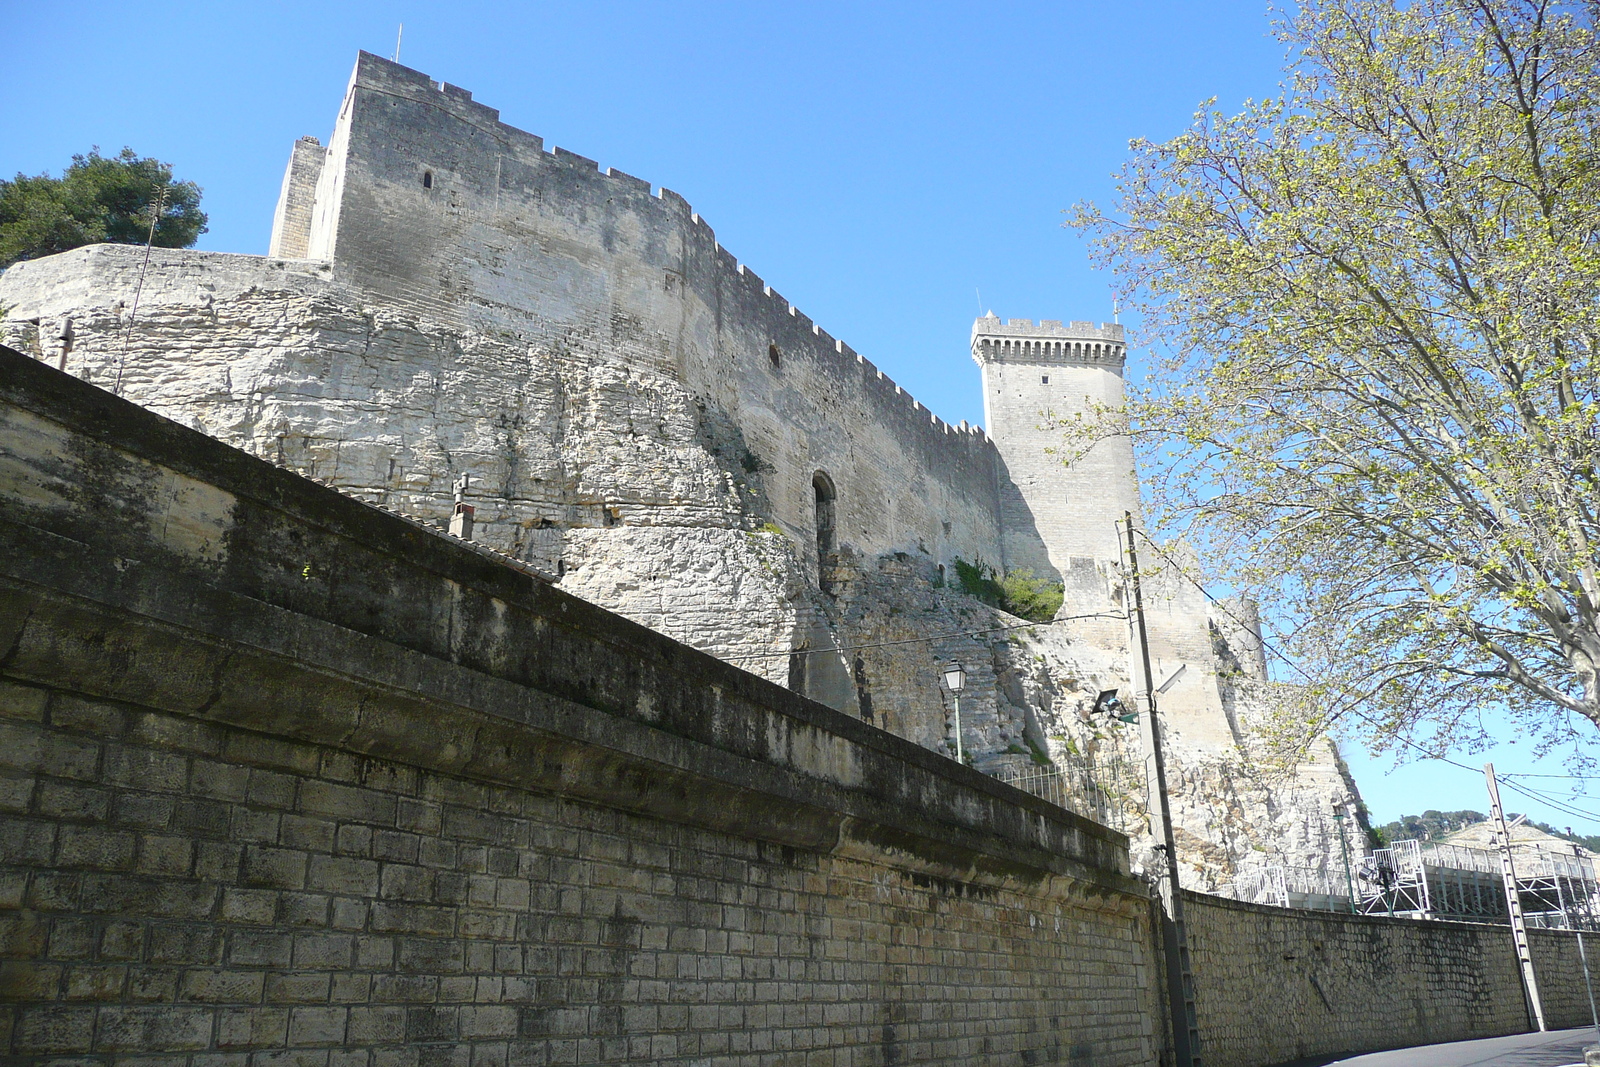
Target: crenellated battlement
{"type": "Point", "coordinates": [1048, 343]}
{"type": "Point", "coordinates": [991, 325]}
{"type": "Point", "coordinates": [376, 74]}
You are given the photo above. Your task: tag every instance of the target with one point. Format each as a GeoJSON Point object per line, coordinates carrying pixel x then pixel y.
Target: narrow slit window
{"type": "Point", "coordinates": [822, 487]}
{"type": "Point", "coordinates": [427, 179]}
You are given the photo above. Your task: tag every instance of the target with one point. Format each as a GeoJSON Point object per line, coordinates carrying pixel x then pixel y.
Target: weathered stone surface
{"type": "Point", "coordinates": [1279, 985]}
{"type": "Point", "coordinates": [297, 779]}
{"type": "Point", "coordinates": [645, 420]}
{"type": "Point", "coordinates": [286, 777]}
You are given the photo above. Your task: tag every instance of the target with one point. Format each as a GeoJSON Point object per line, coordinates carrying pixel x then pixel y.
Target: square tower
{"type": "Point", "coordinates": [1036, 377]}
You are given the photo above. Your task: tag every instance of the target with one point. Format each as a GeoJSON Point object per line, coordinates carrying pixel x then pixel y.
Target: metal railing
{"type": "Point", "coordinates": [1075, 789]}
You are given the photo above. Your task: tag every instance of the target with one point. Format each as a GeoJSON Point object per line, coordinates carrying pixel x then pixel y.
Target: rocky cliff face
{"type": "Point", "coordinates": [614, 479]}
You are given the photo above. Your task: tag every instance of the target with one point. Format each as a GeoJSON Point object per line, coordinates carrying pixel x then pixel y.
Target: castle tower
{"type": "Point", "coordinates": [1034, 376]}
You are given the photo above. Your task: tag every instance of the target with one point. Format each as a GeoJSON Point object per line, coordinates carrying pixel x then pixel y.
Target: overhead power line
{"type": "Point", "coordinates": [1559, 805]}
{"type": "Point", "coordinates": [922, 640]}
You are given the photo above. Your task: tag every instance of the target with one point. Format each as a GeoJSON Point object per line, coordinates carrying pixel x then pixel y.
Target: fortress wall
{"type": "Point", "coordinates": [546, 246]}
{"type": "Point", "coordinates": [291, 223]}
{"type": "Point", "coordinates": [1273, 985]}
{"type": "Point", "coordinates": [285, 777]}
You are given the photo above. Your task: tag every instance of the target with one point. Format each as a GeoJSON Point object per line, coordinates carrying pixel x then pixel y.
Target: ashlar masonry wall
{"type": "Point", "coordinates": [429, 202]}
{"type": "Point", "coordinates": [289, 780]}
{"type": "Point", "coordinates": [1276, 984]}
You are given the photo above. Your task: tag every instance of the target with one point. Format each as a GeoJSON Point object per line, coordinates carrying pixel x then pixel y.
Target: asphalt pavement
{"type": "Point", "coordinates": [1555, 1048]}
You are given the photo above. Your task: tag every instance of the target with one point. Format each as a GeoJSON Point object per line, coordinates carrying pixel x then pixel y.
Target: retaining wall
{"type": "Point", "coordinates": [1276, 984]}
{"type": "Point", "coordinates": [290, 780]}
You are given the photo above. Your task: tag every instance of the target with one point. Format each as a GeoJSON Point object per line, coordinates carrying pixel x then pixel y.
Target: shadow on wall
{"type": "Point", "coordinates": [1021, 543]}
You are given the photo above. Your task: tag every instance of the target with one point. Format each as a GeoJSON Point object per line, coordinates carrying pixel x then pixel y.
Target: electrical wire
{"type": "Point", "coordinates": [1561, 806]}
{"type": "Point", "coordinates": [923, 640]}
{"type": "Point", "coordinates": [155, 217]}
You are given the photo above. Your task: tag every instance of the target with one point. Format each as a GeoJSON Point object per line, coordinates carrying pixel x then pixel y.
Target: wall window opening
{"type": "Point", "coordinates": [822, 488]}
{"type": "Point", "coordinates": [1044, 379]}
{"type": "Point", "coordinates": [427, 179]}
{"type": "Point", "coordinates": [775, 356]}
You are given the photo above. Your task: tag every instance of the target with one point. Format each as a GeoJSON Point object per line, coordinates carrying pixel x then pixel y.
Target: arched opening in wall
{"type": "Point", "coordinates": [822, 488]}
{"type": "Point", "coordinates": [775, 356]}
{"type": "Point", "coordinates": [427, 179]}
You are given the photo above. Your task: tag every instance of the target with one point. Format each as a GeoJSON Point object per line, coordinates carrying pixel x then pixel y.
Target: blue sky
{"type": "Point", "coordinates": [879, 164]}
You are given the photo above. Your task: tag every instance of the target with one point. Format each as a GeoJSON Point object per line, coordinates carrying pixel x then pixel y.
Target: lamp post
{"type": "Point", "coordinates": [1344, 849]}
{"type": "Point", "coordinates": [955, 680]}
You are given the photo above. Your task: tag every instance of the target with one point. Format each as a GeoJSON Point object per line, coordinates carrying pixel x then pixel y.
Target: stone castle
{"type": "Point", "coordinates": [649, 424]}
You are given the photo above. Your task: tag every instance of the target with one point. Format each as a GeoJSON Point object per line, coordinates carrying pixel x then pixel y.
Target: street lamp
{"type": "Point", "coordinates": [955, 680]}
{"type": "Point", "coordinates": [1344, 849]}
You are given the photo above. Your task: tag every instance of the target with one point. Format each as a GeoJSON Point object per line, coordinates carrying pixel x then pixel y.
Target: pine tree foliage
{"type": "Point", "coordinates": [98, 199]}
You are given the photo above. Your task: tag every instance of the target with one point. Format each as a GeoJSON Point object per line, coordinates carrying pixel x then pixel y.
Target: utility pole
{"type": "Point", "coordinates": [1180, 980]}
{"type": "Point", "coordinates": [1508, 875]}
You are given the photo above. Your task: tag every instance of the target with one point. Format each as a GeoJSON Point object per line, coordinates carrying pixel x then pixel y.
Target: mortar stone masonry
{"type": "Point", "coordinates": [288, 779]}
{"type": "Point", "coordinates": [647, 420]}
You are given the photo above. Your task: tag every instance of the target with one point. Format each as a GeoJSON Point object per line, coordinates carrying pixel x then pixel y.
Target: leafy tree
{"type": "Point", "coordinates": [97, 199]}
{"type": "Point", "coordinates": [1430, 825]}
{"type": "Point", "coordinates": [1433, 825]}
{"type": "Point", "coordinates": [1378, 302]}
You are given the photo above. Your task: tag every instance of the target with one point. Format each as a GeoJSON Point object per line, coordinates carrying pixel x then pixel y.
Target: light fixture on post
{"type": "Point", "coordinates": [955, 680]}
{"type": "Point", "coordinates": [1109, 702]}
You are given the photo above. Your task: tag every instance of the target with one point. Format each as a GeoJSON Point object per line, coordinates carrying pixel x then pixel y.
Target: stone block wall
{"type": "Point", "coordinates": [193, 893]}
{"type": "Point", "coordinates": [431, 205]}
{"type": "Point", "coordinates": [291, 223]}
{"type": "Point", "coordinates": [1275, 984]}
{"type": "Point", "coordinates": [287, 780]}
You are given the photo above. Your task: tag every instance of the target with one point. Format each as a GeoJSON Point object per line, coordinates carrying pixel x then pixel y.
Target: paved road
{"type": "Point", "coordinates": [1554, 1049]}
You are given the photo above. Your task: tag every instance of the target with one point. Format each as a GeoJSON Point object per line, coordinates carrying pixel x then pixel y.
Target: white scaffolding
{"type": "Point", "coordinates": [1427, 880]}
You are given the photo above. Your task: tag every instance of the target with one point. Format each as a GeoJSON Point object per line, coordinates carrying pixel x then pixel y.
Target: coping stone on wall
{"type": "Point", "coordinates": [300, 575]}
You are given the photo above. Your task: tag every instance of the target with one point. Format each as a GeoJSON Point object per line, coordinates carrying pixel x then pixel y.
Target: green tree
{"type": "Point", "coordinates": [97, 199]}
{"type": "Point", "coordinates": [1376, 301]}
{"type": "Point", "coordinates": [1430, 825]}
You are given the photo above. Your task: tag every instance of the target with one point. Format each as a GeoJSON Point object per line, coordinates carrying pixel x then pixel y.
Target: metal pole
{"type": "Point", "coordinates": [1180, 982]}
{"type": "Point", "coordinates": [1508, 875]}
{"type": "Point", "coordinates": [1583, 957]}
{"type": "Point", "coordinates": [1344, 848]}
{"type": "Point", "coordinates": [959, 757]}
